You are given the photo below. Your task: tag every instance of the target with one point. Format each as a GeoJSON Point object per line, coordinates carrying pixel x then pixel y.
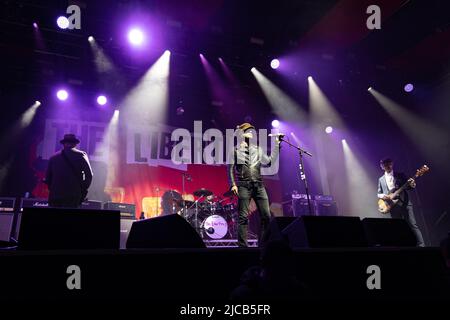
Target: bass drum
{"type": "Point", "coordinates": [215, 227]}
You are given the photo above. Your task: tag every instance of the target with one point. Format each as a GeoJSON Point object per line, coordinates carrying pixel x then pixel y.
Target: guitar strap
{"type": "Point", "coordinates": [74, 170]}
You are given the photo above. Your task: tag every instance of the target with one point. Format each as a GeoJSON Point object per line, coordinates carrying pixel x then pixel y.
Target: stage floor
{"type": "Point", "coordinates": [211, 274]}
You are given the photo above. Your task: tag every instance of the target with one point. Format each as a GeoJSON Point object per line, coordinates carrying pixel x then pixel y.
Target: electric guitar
{"type": "Point", "coordinates": [386, 205]}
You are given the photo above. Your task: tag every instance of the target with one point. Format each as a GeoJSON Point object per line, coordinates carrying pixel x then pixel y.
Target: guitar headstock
{"type": "Point", "coordinates": [420, 172]}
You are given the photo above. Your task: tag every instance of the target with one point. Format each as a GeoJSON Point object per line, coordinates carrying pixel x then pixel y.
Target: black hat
{"type": "Point", "coordinates": [70, 138]}
{"type": "Point", "coordinates": [245, 126]}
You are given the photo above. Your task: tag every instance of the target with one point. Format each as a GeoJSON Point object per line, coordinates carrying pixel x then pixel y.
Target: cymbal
{"type": "Point", "coordinates": [202, 192]}
{"type": "Point", "coordinates": [229, 194]}
{"type": "Point", "coordinates": [173, 194]}
{"type": "Point", "coordinates": [184, 203]}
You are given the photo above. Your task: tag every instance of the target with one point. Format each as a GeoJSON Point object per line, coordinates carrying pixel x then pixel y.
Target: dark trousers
{"type": "Point", "coordinates": [257, 192]}
{"type": "Point", "coordinates": [407, 213]}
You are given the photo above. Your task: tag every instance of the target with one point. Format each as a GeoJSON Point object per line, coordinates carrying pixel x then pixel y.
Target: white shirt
{"type": "Point", "coordinates": [390, 180]}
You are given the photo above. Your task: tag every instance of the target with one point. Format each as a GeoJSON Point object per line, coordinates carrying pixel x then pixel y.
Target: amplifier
{"type": "Point", "coordinates": [322, 197]}
{"type": "Point", "coordinates": [326, 208]}
{"type": "Point", "coordinates": [6, 225]}
{"type": "Point", "coordinates": [32, 203]}
{"type": "Point", "coordinates": [300, 207]}
{"type": "Point", "coordinates": [300, 196]}
{"type": "Point", "coordinates": [127, 210]}
{"type": "Point", "coordinates": [7, 204]}
{"type": "Point", "coordinates": [92, 205]}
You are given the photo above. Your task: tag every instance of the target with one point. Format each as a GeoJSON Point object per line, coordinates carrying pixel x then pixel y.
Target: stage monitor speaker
{"type": "Point", "coordinates": [325, 232]}
{"type": "Point", "coordinates": [386, 232]}
{"type": "Point", "coordinates": [63, 228]}
{"type": "Point", "coordinates": [276, 226]}
{"type": "Point", "coordinates": [170, 231]}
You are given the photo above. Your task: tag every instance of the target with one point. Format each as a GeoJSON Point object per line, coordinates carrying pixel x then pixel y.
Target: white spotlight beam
{"type": "Point", "coordinates": [362, 188]}
{"type": "Point", "coordinates": [429, 138]}
{"type": "Point", "coordinates": [109, 145]}
{"type": "Point", "coordinates": [322, 111]}
{"type": "Point", "coordinates": [28, 115]}
{"type": "Point", "coordinates": [148, 101]}
{"type": "Point", "coordinates": [282, 105]}
{"type": "Point", "coordinates": [102, 62]}
{"type": "Point", "coordinates": [323, 114]}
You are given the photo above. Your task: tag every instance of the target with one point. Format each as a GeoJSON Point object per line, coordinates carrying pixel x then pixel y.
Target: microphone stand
{"type": "Point", "coordinates": [302, 170]}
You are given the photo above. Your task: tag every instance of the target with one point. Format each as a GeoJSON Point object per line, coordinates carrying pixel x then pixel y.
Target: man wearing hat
{"type": "Point", "coordinates": [69, 175]}
{"type": "Point", "coordinates": [244, 177]}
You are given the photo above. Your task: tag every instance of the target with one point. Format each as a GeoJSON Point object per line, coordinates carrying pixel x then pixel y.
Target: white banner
{"type": "Point", "coordinates": [149, 145]}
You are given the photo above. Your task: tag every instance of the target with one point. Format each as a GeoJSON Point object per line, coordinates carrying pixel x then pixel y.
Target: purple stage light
{"type": "Point", "coordinates": [275, 63]}
{"type": "Point", "coordinates": [62, 22]}
{"type": "Point", "coordinates": [329, 129]}
{"type": "Point", "coordinates": [62, 95]}
{"type": "Point", "coordinates": [35, 25]}
{"type": "Point", "coordinates": [409, 87]}
{"type": "Point", "coordinates": [275, 123]}
{"type": "Point", "coordinates": [180, 111]}
{"type": "Point", "coordinates": [136, 36]}
{"type": "Point", "coordinates": [102, 100]}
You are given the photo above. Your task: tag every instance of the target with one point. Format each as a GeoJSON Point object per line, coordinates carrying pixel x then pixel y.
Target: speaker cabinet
{"type": "Point", "coordinates": [384, 232]}
{"type": "Point", "coordinates": [325, 232]}
{"type": "Point", "coordinates": [276, 227]}
{"type": "Point", "coordinates": [6, 224]}
{"type": "Point", "coordinates": [326, 208]}
{"type": "Point", "coordinates": [62, 228]}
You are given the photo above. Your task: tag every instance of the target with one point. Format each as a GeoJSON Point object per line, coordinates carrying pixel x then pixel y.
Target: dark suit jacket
{"type": "Point", "coordinates": [62, 181]}
{"type": "Point", "coordinates": [399, 180]}
{"type": "Point", "coordinates": [247, 164]}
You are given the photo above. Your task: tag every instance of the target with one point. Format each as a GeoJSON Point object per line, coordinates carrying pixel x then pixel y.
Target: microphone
{"type": "Point", "coordinates": [210, 230]}
{"type": "Point", "coordinates": [281, 135]}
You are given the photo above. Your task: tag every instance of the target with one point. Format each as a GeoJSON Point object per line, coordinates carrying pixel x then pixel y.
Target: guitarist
{"type": "Point", "coordinates": [69, 175]}
{"type": "Point", "coordinates": [390, 182]}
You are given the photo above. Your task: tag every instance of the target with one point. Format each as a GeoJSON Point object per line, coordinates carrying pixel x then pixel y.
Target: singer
{"type": "Point", "coordinates": [244, 177]}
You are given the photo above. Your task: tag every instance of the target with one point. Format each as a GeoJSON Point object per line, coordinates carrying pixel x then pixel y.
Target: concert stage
{"type": "Point", "coordinates": [185, 276]}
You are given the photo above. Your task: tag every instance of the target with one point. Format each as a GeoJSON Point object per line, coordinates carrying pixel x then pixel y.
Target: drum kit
{"type": "Point", "coordinates": [214, 217]}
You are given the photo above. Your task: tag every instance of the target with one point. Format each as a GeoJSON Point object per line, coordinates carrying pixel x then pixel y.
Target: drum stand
{"type": "Point", "coordinates": [196, 227]}
{"type": "Point", "coordinates": [188, 177]}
